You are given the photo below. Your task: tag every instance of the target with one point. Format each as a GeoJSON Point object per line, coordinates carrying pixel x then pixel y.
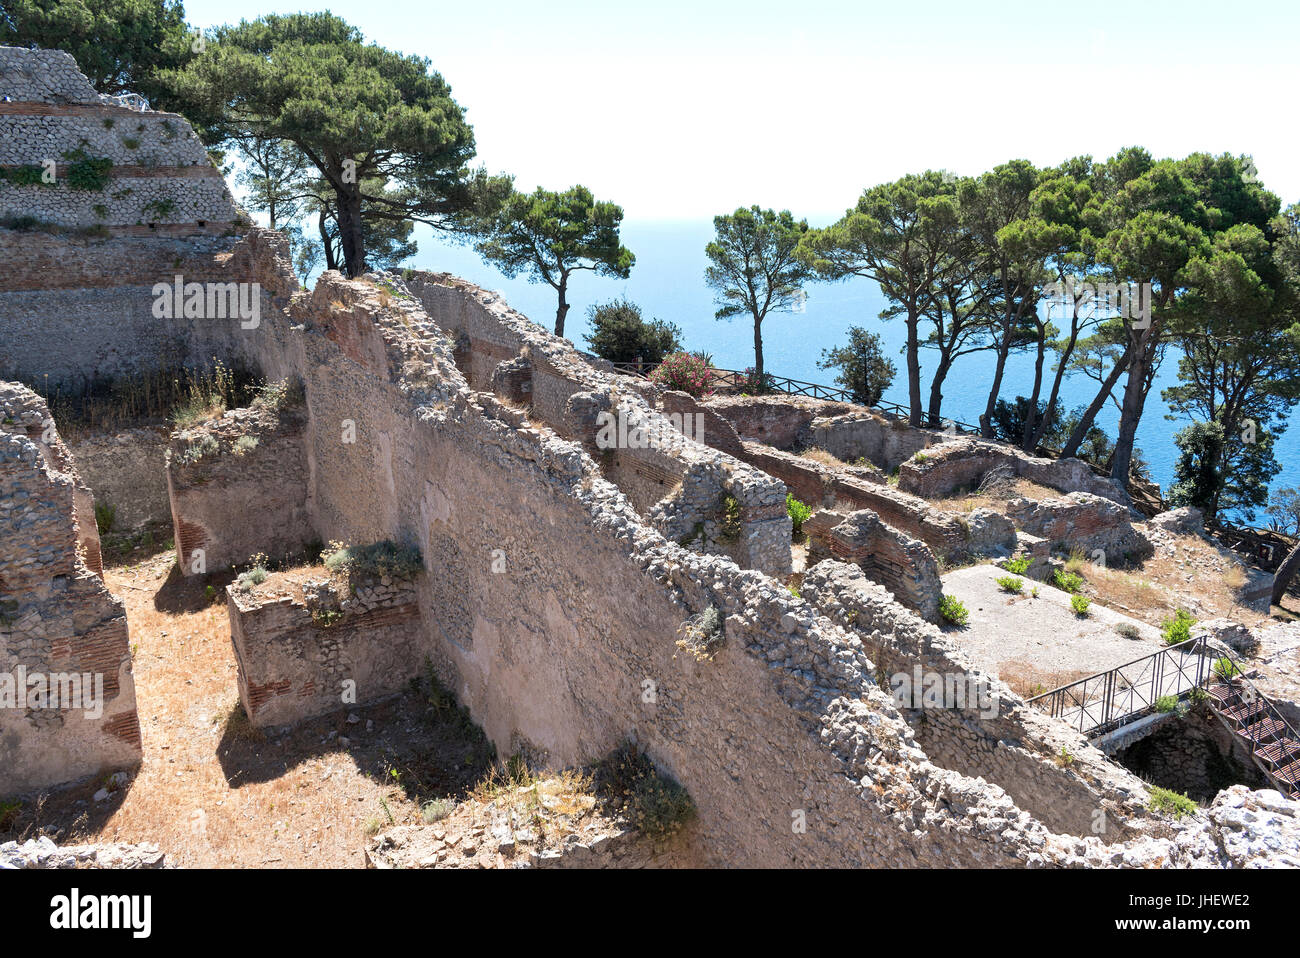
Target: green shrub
{"type": "Point", "coordinates": [376, 560]}
{"type": "Point", "coordinates": [1017, 566]}
{"type": "Point", "coordinates": [798, 513]}
{"type": "Point", "coordinates": [1167, 703]}
{"type": "Point", "coordinates": [437, 810]}
{"type": "Point", "coordinates": [1169, 802]}
{"type": "Point", "coordinates": [245, 445]}
{"type": "Point", "coordinates": [1128, 630]}
{"type": "Point", "coordinates": [1179, 628]}
{"type": "Point", "coordinates": [1080, 605]}
{"type": "Point", "coordinates": [655, 804]}
{"type": "Point", "coordinates": [9, 808]}
{"type": "Point", "coordinates": [256, 573]}
{"type": "Point", "coordinates": [952, 609]}
{"type": "Point", "coordinates": [25, 176]}
{"type": "Point", "coordinates": [1066, 581]}
{"type": "Point", "coordinates": [730, 518]}
{"type": "Point", "coordinates": [1009, 583]}
{"type": "Point", "coordinates": [1224, 668]}
{"type": "Point", "coordinates": [620, 334]}
{"type": "Point", "coordinates": [104, 517]}
{"type": "Point", "coordinates": [87, 172]}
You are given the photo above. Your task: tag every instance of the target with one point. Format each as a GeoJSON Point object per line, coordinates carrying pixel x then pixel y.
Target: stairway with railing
{"type": "Point", "coordinates": [1102, 703]}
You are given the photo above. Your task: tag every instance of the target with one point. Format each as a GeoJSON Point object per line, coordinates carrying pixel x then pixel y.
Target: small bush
{"type": "Point", "coordinates": [1079, 604]}
{"type": "Point", "coordinates": [9, 808]}
{"type": "Point", "coordinates": [1169, 802]}
{"type": "Point", "coordinates": [377, 560]}
{"type": "Point", "coordinates": [1167, 703]}
{"type": "Point", "coordinates": [437, 810]}
{"type": "Point", "coordinates": [104, 517]}
{"type": "Point", "coordinates": [245, 445]}
{"type": "Point", "coordinates": [1009, 583]}
{"type": "Point", "coordinates": [256, 574]}
{"type": "Point", "coordinates": [1067, 581]}
{"type": "Point", "coordinates": [953, 610]}
{"type": "Point", "coordinates": [86, 172]}
{"type": "Point", "coordinates": [655, 804]}
{"type": "Point", "coordinates": [752, 384]}
{"type": "Point", "coordinates": [1017, 566]}
{"type": "Point", "coordinates": [685, 372]}
{"type": "Point", "coordinates": [798, 512]}
{"type": "Point", "coordinates": [1179, 628]}
{"type": "Point", "coordinates": [1128, 630]}
{"type": "Point", "coordinates": [1224, 668]}
{"type": "Point", "coordinates": [920, 457]}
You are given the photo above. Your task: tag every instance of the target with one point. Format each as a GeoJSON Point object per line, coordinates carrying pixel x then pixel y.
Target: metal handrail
{"type": "Point", "coordinates": [1093, 715]}
{"type": "Point", "coordinates": [1239, 676]}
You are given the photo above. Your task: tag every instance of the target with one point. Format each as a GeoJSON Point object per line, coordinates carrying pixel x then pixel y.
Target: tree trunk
{"type": "Point", "coordinates": [913, 368]}
{"type": "Point", "coordinates": [322, 223]}
{"type": "Point", "coordinates": [1055, 391]}
{"type": "Point", "coordinates": [562, 310]}
{"type": "Point", "coordinates": [1031, 408]}
{"type": "Point", "coordinates": [936, 391]}
{"type": "Point", "coordinates": [1131, 409]}
{"type": "Point", "coordinates": [1004, 349]}
{"type": "Point", "coordinates": [758, 353]}
{"type": "Point", "coordinates": [350, 233]}
{"type": "Point", "coordinates": [1071, 448]}
{"type": "Point", "coordinates": [1285, 573]}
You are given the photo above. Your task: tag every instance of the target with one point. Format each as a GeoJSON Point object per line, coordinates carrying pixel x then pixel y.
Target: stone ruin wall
{"type": "Point", "coordinates": [295, 662]}
{"type": "Point", "coordinates": [552, 656]}
{"type": "Point", "coordinates": [56, 617]}
{"type": "Point", "coordinates": [681, 484]}
{"type": "Point", "coordinates": [256, 461]}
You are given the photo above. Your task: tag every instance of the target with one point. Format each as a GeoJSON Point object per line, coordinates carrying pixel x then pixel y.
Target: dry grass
{"type": "Point", "coordinates": [969, 501]}
{"type": "Point", "coordinates": [1028, 680]}
{"type": "Point", "coordinates": [213, 791]}
{"type": "Point", "coordinates": [823, 457]}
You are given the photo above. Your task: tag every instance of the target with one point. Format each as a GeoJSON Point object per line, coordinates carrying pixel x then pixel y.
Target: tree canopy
{"type": "Point", "coordinates": [379, 127]}
{"type": "Point", "coordinates": [549, 236]}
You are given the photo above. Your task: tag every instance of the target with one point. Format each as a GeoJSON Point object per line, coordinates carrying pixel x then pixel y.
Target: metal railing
{"type": "Point", "coordinates": [1263, 737]}
{"type": "Point", "coordinates": [1107, 700]}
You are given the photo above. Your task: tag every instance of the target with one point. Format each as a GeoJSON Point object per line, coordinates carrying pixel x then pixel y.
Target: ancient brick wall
{"type": "Point", "coordinates": [303, 649]}
{"type": "Point", "coordinates": [903, 565]}
{"type": "Point", "coordinates": [238, 487]}
{"type": "Point", "coordinates": [963, 463]}
{"type": "Point", "coordinates": [58, 624]}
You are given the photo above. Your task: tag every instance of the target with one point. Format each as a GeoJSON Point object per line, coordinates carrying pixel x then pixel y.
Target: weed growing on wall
{"type": "Point", "coordinates": [654, 804]}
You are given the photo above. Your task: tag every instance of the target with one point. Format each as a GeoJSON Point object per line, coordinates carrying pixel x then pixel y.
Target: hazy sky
{"type": "Point", "coordinates": [687, 109]}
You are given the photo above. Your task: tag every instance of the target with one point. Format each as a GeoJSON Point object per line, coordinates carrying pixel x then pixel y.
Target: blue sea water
{"type": "Point", "coordinates": [668, 283]}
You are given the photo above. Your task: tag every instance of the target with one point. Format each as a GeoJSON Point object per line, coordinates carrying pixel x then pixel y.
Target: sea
{"type": "Point", "coordinates": [667, 282]}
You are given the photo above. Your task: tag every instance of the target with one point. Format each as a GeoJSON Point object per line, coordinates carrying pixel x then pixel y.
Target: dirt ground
{"type": "Point", "coordinates": [213, 791]}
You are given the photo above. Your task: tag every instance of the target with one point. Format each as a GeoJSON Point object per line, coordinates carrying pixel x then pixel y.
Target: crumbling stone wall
{"type": "Point", "coordinates": [682, 485]}
{"type": "Point", "coordinates": [963, 462]}
{"type": "Point", "coordinates": [1083, 521]}
{"type": "Point", "coordinates": [306, 645]}
{"type": "Point", "coordinates": [238, 487]}
{"type": "Point", "coordinates": [127, 470]}
{"type": "Point", "coordinates": [903, 565]}
{"type": "Point", "coordinates": [56, 620]}
{"type": "Point", "coordinates": [1193, 753]}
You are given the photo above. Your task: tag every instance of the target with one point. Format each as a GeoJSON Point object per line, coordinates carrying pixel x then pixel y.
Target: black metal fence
{"type": "Point", "coordinates": [1110, 699]}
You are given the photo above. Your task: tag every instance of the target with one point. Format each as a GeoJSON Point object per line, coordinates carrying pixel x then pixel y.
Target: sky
{"type": "Point", "coordinates": [683, 110]}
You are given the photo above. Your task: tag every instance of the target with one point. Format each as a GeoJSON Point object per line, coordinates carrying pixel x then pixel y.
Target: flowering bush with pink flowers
{"type": "Point", "coordinates": [686, 372]}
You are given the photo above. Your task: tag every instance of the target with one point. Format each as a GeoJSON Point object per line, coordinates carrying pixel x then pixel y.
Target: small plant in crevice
{"type": "Point", "coordinates": [798, 513]}
{"type": "Point", "coordinates": [255, 574]}
{"type": "Point", "coordinates": [730, 531]}
{"type": "Point", "coordinates": [654, 804]}
{"type": "Point", "coordinates": [1166, 704]}
{"type": "Point", "coordinates": [1178, 628]}
{"type": "Point", "coordinates": [953, 610]}
{"type": "Point", "coordinates": [244, 445]}
{"type": "Point", "coordinates": [1168, 802]}
{"type": "Point", "coordinates": [1064, 758]}
{"type": "Point", "coordinates": [1017, 566]}
{"type": "Point", "coordinates": [702, 634]}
